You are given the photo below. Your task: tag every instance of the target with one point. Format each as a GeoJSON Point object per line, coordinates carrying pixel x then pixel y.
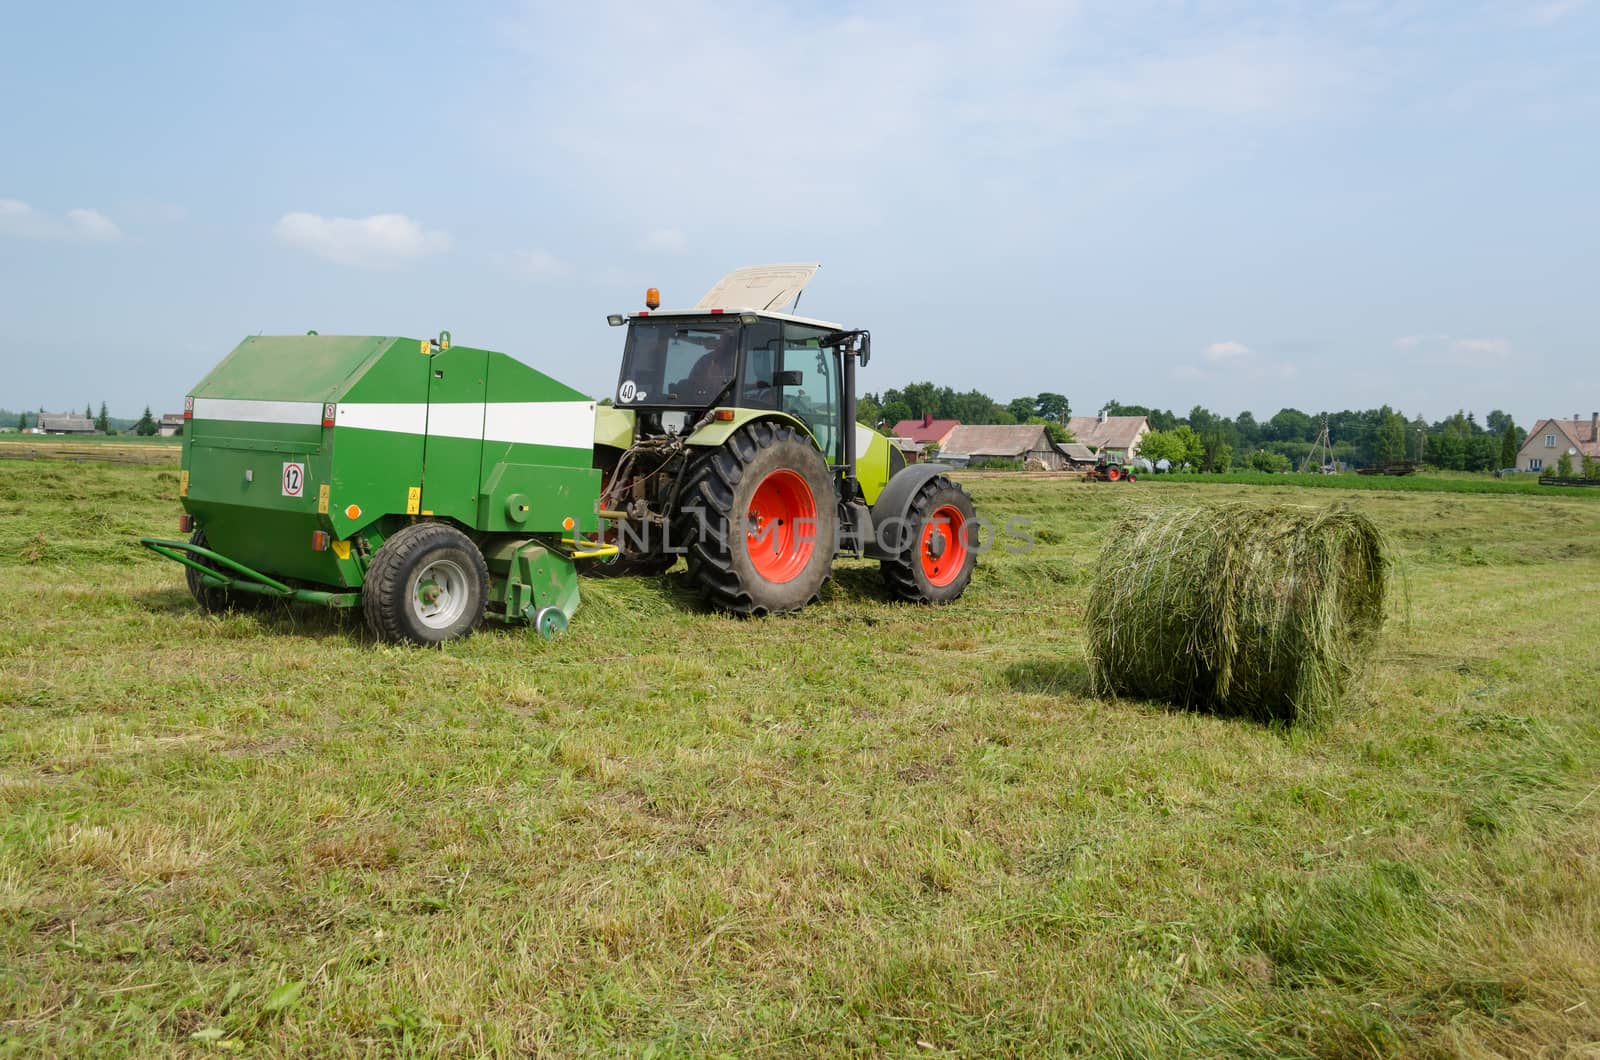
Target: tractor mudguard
{"type": "Point", "coordinates": [889, 513]}
{"type": "Point", "coordinates": [718, 431]}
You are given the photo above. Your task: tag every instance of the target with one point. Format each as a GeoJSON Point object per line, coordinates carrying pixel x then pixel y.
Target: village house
{"type": "Point", "coordinates": [1110, 435]}
{"type": "Point", "coordinates": [171, 424]}
{"type": "Point", "coordinates": [926, 431]}
{"type": "Point", "coordinates": [1028, 444]}
{"type": "Point", "coordinates": [1550, 439]}
{"type": "Point", "coordinates": [64, 423]}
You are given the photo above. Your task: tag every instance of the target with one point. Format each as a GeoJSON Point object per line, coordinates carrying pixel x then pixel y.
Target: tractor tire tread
{"type": "Point", "coordinates": [900, 573]}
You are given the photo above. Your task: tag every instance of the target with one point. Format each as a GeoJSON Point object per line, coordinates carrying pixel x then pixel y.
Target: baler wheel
{"type": "Point", "coordinates": [213, 600]}
{"type": "Point", "coordinates": [427, 584]}
{"type": "Point", "coordinates": [759, 519]}
{"type": "Point", "coordinates": [940, 549]}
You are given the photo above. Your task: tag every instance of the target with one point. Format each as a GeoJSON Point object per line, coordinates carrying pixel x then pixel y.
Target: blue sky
{"type": "Point", "coordinates": [1322, 205]}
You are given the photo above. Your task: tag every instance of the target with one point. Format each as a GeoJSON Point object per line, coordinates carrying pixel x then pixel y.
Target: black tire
{"type": "Point", "coordinates": [916, 575]}
{"type": "Point", "coordinates": [212, 600]}
{"type": "Point", "coordinates": [714, 521]}
{"type": "Point", "coordinates": [419, 560]}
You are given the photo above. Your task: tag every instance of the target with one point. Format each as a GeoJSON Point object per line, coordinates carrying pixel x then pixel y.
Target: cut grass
{"type": "Point", "coordinates": [865, 828]}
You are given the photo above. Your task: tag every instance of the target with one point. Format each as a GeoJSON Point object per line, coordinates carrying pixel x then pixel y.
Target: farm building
{"type": "Point", "coordinates": [1026, 443]}
{"type": "Point", "coordinates": [1113, 435]}
{"type": "Point", "coordinates": [171, 424]}
{"type": "Point", "coordinates": [926, 431]}
{"type": "Point", "coordinates": [64, 423]}
{"type": "Point", "coordinates": [1549, 439]}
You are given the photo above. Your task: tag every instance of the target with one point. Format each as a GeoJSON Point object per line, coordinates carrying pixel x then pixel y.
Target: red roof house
{"type": "Point", "coordinates": [926, 431]}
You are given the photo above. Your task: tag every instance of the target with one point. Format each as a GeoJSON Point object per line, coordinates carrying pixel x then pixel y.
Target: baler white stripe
{"type": "Point", "coordinates": [564, 423]}
{"type": "Point", "coordinates": [400, 417]}
{"type": "Point", "coordinates": [463, 420]}
{"type": "Point", "coordinates": [245, 411]}
{"type": "Point", "coordinates": [569, 424]}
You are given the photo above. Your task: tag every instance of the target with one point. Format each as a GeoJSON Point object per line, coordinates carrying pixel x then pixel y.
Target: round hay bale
{"type": "Point", "coordinates": [1265, 612]}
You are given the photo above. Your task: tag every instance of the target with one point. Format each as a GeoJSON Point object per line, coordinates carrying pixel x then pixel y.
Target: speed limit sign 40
{"type": "Point", "coordinates": [294, 480]}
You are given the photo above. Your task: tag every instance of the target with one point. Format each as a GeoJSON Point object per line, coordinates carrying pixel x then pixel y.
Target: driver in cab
{"type": "Point", "coordinates": [714, 369]}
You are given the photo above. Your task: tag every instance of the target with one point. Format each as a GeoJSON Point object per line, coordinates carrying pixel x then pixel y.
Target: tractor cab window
{"type": "Point", "coordinates": [762, 361]}
{"type": "Point", "coordinates": [810, 385]}
{"type": "Point", "coordinates": [683, 364]}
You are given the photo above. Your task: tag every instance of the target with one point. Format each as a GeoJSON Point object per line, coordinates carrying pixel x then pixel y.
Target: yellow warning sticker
{"type": "Point", "coordinates": [413, 500]}
{"type": "Point", "coordinates": [341, 549]}
{"type": "Point", "coordinates": [427, 347]}
{"type": "Point", "coordinates": [183, 483]}
{"type": "Point", "coordinates": [322, 499]}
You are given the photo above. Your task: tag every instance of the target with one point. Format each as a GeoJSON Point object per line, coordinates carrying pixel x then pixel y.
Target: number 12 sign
{"type": "Point", "coordinates": [294, 480]}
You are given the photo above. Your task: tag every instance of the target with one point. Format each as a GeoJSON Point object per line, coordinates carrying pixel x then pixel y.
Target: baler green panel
{"type": "Point", "coordinates": [453, 451]}
{"type": "Point", "coordinates": [538, 453]}
{"type": "Point", "coordinates": [291, 367]}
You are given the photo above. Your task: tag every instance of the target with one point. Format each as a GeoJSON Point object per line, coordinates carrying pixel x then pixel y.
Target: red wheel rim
{"type": "Point", "coordinates": [1113, 474]}
{"type": "Point", "coordinates": [781, 527]}
{"type": "Point", "coordinates": [944, 545]}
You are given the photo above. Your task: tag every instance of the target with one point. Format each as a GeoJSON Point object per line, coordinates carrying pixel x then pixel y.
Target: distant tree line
{"type": "Point", "coordinates": [1203, 439]}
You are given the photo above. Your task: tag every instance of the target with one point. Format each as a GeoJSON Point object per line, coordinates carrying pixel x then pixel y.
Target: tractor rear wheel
{"type": "Point", "coordinates": [214, 600]}
{"type": "Point", "coordinates": [759, 519]}
{"type": "Point", "coordinates": [427, 584]}
{"type": "Point", "coordinates": [940, 539]}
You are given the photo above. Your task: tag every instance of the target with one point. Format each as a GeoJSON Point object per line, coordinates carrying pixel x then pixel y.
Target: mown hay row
{"type": "Point", "coordinates": [1266, 612]}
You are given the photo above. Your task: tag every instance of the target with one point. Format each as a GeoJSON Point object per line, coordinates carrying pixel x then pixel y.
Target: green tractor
{"type": "Point", "coordinates": [733, 444]}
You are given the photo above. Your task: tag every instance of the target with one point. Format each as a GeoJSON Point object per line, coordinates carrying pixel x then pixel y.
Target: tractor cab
{"type": "Point", "coordinates": [677, 367]}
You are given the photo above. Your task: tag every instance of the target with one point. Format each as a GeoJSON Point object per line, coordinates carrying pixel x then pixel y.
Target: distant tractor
{"type": "Point", "coordinates": [733, 443]}
{"type": "Point", "coordinates": [1108, 467]}
{"type": "Point", "coordinates": [431, 484]}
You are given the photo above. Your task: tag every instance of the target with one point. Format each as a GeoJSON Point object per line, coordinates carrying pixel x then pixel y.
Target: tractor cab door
{"type": "Point", "coordinates": [811, 387]}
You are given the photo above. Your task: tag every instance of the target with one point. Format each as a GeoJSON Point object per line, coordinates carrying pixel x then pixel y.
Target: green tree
{"type": "Point", "coordinates": [895, 411]}
{"type": "Point", "coordinates": [1391, 436]}
{"type": "Point", "coordinates": [1218, 453]}
{"type": "Point", "coordinates": [22, 421]}
{"type": "Point", "coordinates": [1564, 466]}
{"type": "Point", "coordinates": [103, 423]}
{"type": "Point", "coordinates": [146, 425]}
{"type": "Point", "coordinates": [1508, 443]}
{"type": "Point", "coordinates": [1268, 461]}
{"type": "Point", "coordinates": [1591, 468]}
{"type": "Point", "coordinates": [88, 412]}
{"type": "Point", "coordinates": [1053, 407]}
{"type": "Point", "coordinates": [1162, 445]}
{"type": "Point", "coordinates": [1194, 447]}
{"type": "Point", "coordinates": [1022, 409]}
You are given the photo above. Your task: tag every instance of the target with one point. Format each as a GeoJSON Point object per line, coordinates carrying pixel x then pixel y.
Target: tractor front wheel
{"type": "Point", "coordinates": [939, 545]}
{"type": "Point", "coordinates": [427, 584]}
{"type": "Point", "coordinates": [759, 519]}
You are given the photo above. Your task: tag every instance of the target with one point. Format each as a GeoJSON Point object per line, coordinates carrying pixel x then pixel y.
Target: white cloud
{"type": "Point", "coordinates": [383, 240]}
{"type": "Point", "coordinates": [665, 241]}
{"type": "Point", "coordinates": [1448, 349]}
{"type": "Point", "coordinates": [83, 225]}
{"type": "Point", "coordinates": [539, 265]}
{"type": "Point", "coordinates": [1548, 14]}
{"type": "Point", "coordinates": [1226, 351]}
{"type": "Point", "coordinates": [1485, 347]}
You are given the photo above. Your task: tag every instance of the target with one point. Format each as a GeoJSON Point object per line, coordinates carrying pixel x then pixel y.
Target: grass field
{"type": "Point", "coordinates": [1431, 482]}
{"type": "Point", "coordinates": [868, 828]}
